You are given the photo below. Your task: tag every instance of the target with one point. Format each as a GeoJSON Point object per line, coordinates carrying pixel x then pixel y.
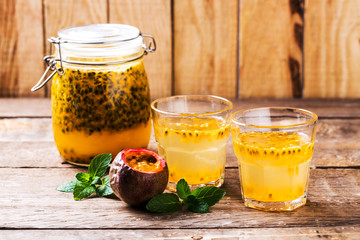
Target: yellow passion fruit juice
{"type": "Point", "coordinates": [194, 148]}
{"type": "Point", "coordinates": [274, 166]}
{"type": "Point", "coordinates": [102, 109]}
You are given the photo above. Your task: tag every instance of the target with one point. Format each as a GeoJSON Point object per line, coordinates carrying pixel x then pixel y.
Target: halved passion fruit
{"type": "Point", "coordinates": [137, 175]}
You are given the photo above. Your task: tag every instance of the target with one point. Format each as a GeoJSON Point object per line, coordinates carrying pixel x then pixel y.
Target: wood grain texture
{"type": "Point", "coordinates": [31, 169]}
{"type": "Point", "coordinates": [29, 142]}
{"type": "Point", "coordinates": [25, 107]}
{"type": "Point", "coordinates": [67, 13]}
{"type": "Point", "coordinates": [154, 18]}
{"type": "Point", "coordinates": [21, 47]}
{"type": "Point", "coordinates": [332, 49]}
{"type": "Point", "coordinates": [62, 14]}
{"type": "Point", "coordinates": [30, 138]}
{"type": "Point", "coordinates": [270, 48]}
{"type": "Point", "coordinates": [350, 233]}
{"type": "Point", "coordinates": [324, 108]}
{"type": "Point", "coordinates": [205, 47]}
{"type": "Point", "coordinates": [333, 201]}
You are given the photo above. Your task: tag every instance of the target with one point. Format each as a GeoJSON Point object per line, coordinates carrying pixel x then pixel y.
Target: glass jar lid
{"type": "Point", "coordinates": [99, 33]}
{"type": "Point", "coordinates": [101, 43]}
{"type": "Point", "coordinates": [96, 45]}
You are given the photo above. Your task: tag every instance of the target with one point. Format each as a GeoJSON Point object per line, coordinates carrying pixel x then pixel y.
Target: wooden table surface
{"type": "Point", "coordinates": [31, 169]}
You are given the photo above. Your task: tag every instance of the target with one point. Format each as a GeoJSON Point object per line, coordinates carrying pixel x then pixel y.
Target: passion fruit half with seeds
{"type": "Point", "coordinates": [137, 175]}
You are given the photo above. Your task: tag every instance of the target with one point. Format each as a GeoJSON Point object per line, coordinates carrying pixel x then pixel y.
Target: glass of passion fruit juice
{"type": "Point", "coordinates": [192, 132]}
{"type": "Point", "coordinates": [274, 147]}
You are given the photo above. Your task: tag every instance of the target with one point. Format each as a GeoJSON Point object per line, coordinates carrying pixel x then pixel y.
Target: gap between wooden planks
{"type": "Point", "coordinates": [29, 200]}
{"type": "Point", "coordinates": [350, 233]}
{"type": "Point", "coordinates": [324, 108]}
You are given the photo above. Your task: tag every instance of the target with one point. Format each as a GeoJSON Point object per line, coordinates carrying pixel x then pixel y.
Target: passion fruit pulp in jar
{"type": "Point", "coordinates": [102, 109]}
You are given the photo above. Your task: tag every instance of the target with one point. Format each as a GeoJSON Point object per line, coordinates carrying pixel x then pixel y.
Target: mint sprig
{"type": "Point", "coordinates": [182, 189]}
{"type": "Point", "coordinates": [82, 177]}
{"type": "Point", "coordinates": [83, 190]}
{"type": "Point", "coordinates": [210, 195]}
{"type": "Point", "coordinates": [104, 189]}
{"type": "Point", "coordinates": [86, 184]}
{"type": "Point", "coordinates": [195, 204]}
{"type": "Point", "coordinates": [99, 165]}
{"type": "Point", "coordinates": [165, 202]}
{"type": "Point", "coordinates": [67, 187]}
{"type": "Point", "coordinates": [197, 201]}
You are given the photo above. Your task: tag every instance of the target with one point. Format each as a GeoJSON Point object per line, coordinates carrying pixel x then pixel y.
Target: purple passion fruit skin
{"type": "Point", "coordinates": [137, 175]}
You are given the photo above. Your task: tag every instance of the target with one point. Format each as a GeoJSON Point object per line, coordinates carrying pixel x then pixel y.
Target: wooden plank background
{"type": "Point", "coordinates": [234, 49]}
{"type": "Point", "coordinates": [332, 49]}
{"type": "Point", "coordinates": [205, 35]}
{"type": "Point", "coordinates": [271, 48]}
{"type": "Point", "coordinates": [21, 47]}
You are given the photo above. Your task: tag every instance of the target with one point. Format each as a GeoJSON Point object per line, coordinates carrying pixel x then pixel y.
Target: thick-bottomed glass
{"type": "Point", "coordinates": [192, 132]}
{"type": "Point", "coordinates": [274, 147]}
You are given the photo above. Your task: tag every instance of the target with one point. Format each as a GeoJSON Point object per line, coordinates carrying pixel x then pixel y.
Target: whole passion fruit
{"type": "Point", "coordinates": [137, 175]}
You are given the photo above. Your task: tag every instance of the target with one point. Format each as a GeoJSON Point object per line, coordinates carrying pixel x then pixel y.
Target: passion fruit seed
{"type": "Point", "coordinates": [143, 162]}
{"type": "Point", "coordinates": [290, 149]}
{"type": "Point", "coordinates": [189, 134]}
{"type": "Point", "coordinates": [96, 100]}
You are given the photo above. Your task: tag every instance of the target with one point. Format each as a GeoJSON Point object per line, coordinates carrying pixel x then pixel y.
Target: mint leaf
{"type": "Point", "coordinates": [83, 190]}
{"type": "Point", "coordinates": [165, 202]}
{"type": "Point", "coordinates": [82, 177]}
{"type": "Point", "coordinates": [197, 205]}
{"type": "Point", "coordinates": [182, 189]}
{"type": "Point", "coordinates": [99, 165]}
{"type": "Point", "coordinates": [67, 187]}
{"type": "Point", "coordinates": [209, 194]}
{"type": "Point", "coordinates": [85, 183]}
{"type": "Point", "coordinates": [96, 181]}
{"type": "Point", "coordinates": [104, 189]}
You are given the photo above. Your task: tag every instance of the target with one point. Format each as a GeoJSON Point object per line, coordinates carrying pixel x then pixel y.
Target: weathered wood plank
{"type": "Point", "coordinates": [29, 143]}
{"type": "Point", "coordinates": [21, 47]}
{"type": "Point", "coordinates": [332, 48]}
{"type": "Point", "coordinates": [92, 11]}
{"type": "Point", "coordinates": [271, 48]}
{"type": "Point", "coordinates": [25, 107]}
{"type": "Point", "coordinates": [325, 108]}
{"type": "Point", "coordinates": [30, 154]}
{"type": "Point", "coordinates": [350, 233]}
{"type": "Point", "coordinates": [26, 130]}
{"type": "Point", "coordinates": [66, 13]}
{"type": "Point", "coordinates": [334, 200]}
{"type": "Point", "coordinates": [205, 47]}
{"type": "Point", "coordinates": [151, 17]}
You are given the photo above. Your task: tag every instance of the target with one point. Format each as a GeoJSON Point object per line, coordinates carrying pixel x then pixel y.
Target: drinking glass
{"type": "Point", "coordinates": [274, 146]}
{"type": "Point", "coordinates": [192, 132]}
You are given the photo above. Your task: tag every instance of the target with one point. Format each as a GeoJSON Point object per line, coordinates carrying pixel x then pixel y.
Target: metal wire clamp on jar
{"type": "Point", "coordinates": [100, 93]}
